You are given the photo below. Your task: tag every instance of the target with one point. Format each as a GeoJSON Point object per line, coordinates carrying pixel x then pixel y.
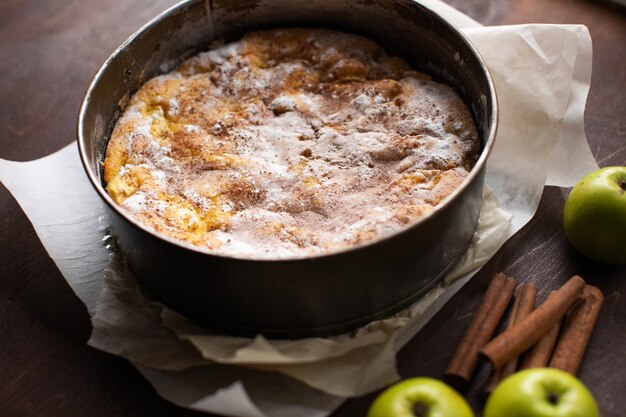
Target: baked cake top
{"type": "Point", "coordinates": [288, 143]}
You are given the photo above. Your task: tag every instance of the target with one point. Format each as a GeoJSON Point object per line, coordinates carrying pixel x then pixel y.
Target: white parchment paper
{"type": "Point", "coordinates": [542, 75]}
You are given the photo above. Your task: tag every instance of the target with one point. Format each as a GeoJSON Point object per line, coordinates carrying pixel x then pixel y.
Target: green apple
{"type": "Point", "coordinates": [541, 392]}
{"type": "Point", "coordinates": [595, 215]}
{"type": "Point", "coordinates": [420, 397]}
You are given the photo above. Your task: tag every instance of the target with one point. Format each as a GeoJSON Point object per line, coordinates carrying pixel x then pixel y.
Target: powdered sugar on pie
{"type": "Point", "coordinates": [288, 143]}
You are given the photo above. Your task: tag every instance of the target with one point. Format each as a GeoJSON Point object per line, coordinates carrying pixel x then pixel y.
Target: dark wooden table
{"type": "Point", "coordinates": [49, 50]}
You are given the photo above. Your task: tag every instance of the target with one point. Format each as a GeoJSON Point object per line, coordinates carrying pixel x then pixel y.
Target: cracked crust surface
{"type": "Point", "coordinates": [288, 143]}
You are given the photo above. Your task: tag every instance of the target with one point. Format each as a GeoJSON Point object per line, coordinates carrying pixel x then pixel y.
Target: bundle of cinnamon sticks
{"type": "Point", "coordinates": [555, 334]}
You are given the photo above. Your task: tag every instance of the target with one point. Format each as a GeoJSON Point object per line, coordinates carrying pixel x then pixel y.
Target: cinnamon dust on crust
{"type": "Point", "coordinates": [288, 143]}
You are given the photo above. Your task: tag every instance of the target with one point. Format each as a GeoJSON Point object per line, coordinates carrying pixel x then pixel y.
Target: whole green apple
{"type": "Point", "coordinates": [541, 392]}
{"type": "Point", "coordinates": [420, 397]}
{"type": "Point", "coordinates": [595, 215]}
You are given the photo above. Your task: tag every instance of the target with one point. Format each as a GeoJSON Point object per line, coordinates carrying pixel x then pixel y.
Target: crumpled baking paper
{"type": "Point", "coordinates": [542, 75]}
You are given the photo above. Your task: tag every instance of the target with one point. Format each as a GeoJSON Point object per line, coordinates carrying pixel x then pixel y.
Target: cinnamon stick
{"type": "Point", "coordinates": [524, 305]}
{"type": "Point", "coordinates": [539, 355]}
{"type": "Point", "coordinates": [527, 332]}
{"type": "Point", "coordinates": [569, 351]}
{"type": "Point", "coordinates": [481, 329]}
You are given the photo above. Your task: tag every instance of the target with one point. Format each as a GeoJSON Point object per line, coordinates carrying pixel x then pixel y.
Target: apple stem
{"type": "Point", "coordinates": [420, 410]}
{"type": "Point", "coordinates": [553, 398]}
{"type": "Point", "coordinates": [622, 185]}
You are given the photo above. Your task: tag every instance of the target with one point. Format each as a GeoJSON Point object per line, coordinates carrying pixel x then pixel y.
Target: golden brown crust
{"type": "Point", "coordinates": [288, 142]}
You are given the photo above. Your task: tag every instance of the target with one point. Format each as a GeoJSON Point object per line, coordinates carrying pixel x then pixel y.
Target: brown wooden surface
{"type": "Point", "coordinates": [49, 50]}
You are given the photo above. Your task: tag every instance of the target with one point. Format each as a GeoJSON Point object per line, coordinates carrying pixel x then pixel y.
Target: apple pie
{"type": "Point", "coordinates": [288, 143]}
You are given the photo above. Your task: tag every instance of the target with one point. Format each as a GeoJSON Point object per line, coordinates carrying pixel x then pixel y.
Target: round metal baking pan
{"type": "Point", "coordinates": [316, 295]}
